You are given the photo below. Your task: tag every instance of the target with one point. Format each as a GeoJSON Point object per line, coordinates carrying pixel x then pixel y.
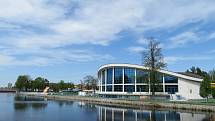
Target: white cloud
{"type": "Point", "coordinates": [136, 49]}
{"type": "Point", "coordinates": [48, 57]}
{"type": "Point", "coordinates": [212, 35]}
{"type": "Point", "coordinates": [48, 24]}
{"type": "Point", "coordinates": [189, 37]}
{"type": "Point", "coordinates": [173, 59]}
{"type": "Point", "coordinates": [142, 41]}
{"type": "Point", "coordinates": [183, 38]}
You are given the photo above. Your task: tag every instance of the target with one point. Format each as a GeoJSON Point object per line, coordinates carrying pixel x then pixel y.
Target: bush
{"type": "Point", "coordinates": [213, 92]}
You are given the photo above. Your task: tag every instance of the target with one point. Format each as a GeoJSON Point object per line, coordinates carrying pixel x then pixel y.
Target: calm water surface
{"type": "Point", "coordinates": [14, 108]}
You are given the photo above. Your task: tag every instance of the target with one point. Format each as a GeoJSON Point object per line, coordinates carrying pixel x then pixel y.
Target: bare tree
{"type": "Point", "coordinates": [153, 59]}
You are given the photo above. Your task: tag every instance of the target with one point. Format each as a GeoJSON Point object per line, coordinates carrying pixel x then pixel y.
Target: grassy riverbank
{"type": "Point", "coordinates": [193, 105]}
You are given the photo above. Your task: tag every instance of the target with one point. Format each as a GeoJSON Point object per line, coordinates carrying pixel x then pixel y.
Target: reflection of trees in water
{"type": "Point", "coordinates": [20, 106]}
{"type": "Point", "coordinates": [28, 98]}
{"type": "Point", "coordinates": [39, 106]}
{"type": "Point", "coordinates": [64, 103]}
{"type": "Point", "coordinates": [25, 102]}
{"type": "Point", "coordinates": [33, 105]}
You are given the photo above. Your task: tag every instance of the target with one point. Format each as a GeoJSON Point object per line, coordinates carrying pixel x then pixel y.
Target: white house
{"type": "Point", "coordinates": [117, 80]}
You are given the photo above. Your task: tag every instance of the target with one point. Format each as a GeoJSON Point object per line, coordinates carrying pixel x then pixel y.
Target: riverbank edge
{"type": "Point", "coordinates": [131, 103]}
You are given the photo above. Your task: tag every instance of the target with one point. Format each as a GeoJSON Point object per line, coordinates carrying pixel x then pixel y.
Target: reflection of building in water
{"type": "Point", "coordinates": [118, 114]}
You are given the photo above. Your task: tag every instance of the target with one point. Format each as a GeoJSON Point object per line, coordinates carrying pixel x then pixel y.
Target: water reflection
{"type": "Point", "coordinates": [120, 114]}
{"type": "Point", "coordinates": [24, 102]}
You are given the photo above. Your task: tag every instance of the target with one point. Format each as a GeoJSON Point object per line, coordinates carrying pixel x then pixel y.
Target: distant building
{"type": "Point", "coordinates": [9, 85]}
{"type": "Point", "coordinates": [117, 80]}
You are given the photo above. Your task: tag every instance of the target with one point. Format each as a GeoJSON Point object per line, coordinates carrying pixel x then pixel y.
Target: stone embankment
{"type": "Point", "coordinates": [135, 104]}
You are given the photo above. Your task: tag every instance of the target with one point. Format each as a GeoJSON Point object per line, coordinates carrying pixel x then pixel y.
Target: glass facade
{"type": "Point", "coordinates": [170, 79]}
{"type": "Point", "coordinates": [159, 88]}
{"type": "Point", "coordinates": [171, 89]}
{"type": "Point", "coordinates": [129, 88]}
{"type": "Point", "coordinates": [159, 77]}
{"type": "Point", "coordinates": [109, 75]}
{"type": "Point", "coordinates": [103, 77]}
{"type": "Point", "coordinates": [117, 88]}
{"type": "Point", "coordinates": [109, 88]}
{"type": "Point", "coordinates": [142, 76]}
{"type": "Point", "coordinates": [142, 88]}
{"type": "Point", "coordinates": [129, 76]}
{"type": "Point", "coordinates": [103, 88]}
{"type": "Point", "coordinates": [117, 75]}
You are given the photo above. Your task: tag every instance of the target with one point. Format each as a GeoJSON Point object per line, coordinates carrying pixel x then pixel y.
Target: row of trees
{"type": "Point", "coordinates": [26, 83]}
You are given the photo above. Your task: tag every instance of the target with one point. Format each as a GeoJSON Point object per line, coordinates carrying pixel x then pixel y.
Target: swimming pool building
{"type": "Point", "coordinates": [117, 80]}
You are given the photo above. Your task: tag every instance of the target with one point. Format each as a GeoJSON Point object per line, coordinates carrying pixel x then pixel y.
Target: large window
{"type": "Point", "coordinates": [103, 77]}
{"type": "Point", "coordinates": [118, 88]}
{"type": "Point", "coordinates": [159, 88]}
{"type": "Point", "coordinates": [103, 88]}
{"type": "Point", "coordinates": [129, 88]}
{"type": "Point", "coordinates": [109, 75]}
{"type": "Point", "coordinates": [170, 79]}
{"type": "Point", "coordinates": [142, 88]}
{"type": "Point", "coordinates": [118, 75]}
{"type": "Point", "coordinates": [159, 77]}
{"type": "Point", "coordinates": [142, 76]}
{"type": "Point", "coordinates": [171, 89]}
{"type": "Point", "coordinates": [129, 76]}
{"type": "Point", "coordinates": [109, 88]}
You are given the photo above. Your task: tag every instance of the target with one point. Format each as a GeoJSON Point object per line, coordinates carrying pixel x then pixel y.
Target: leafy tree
{"type": "Point", "coordinates": [213, 92]}
{"type": "Point", "coordinates": [61, 85]}
{"type": "Point", "coordinates": [22, 82]}
{"type": "Point", "coordinates": [153, 59]}
{"type": "Point", "coordinates": [212, 75]}
{"type": "Point", "coordinates": [205, 87]}
{"type": "Point", "coordinates": [197, 70]}
{"type": "Point", "coordinates": [39, 83]}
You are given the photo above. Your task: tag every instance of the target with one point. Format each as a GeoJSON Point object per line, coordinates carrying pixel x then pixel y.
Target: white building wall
{"type": "Point", "coordinates": [189, 89]}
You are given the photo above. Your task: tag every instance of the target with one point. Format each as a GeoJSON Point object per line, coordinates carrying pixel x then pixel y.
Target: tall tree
{"type": "Point", "coordinates": [153, 59]}
{"type": "Point", "coordinates": [90, 82]}
{"type": "Point", "coordinates": [205, 87]}
{"type": "Point", "coordinates": [22, 82]}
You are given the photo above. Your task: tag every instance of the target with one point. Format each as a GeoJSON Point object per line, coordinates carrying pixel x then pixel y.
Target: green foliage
{"type": "Point", "coordinates": [61, 86]}
{"type": "Point", "coordinates": [212, 75]}
{"type": "Point", "coordinates": [22, 82]}
{"type": "Point", "coordinates": [205, 87]}
{"type": "Point", "coordinates": [198, 71]}
{"type": "Point", "coordinates": [213, 93]}
{"type": "Point", "coordinates": [39, 83]}
{"type": "Point", "coordinates": [153, 59]}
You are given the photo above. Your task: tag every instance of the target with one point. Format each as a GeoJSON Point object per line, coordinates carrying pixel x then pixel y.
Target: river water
{"type": "Point", "coordinates": [13, 108]}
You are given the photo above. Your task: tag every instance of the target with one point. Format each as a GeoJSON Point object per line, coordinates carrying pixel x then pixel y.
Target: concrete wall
{"type": "Point", "coordinates": [189, 89]}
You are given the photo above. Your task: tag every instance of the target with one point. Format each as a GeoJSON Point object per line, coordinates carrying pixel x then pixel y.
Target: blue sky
{"type": "Point", "coordinates": [69, 39]}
